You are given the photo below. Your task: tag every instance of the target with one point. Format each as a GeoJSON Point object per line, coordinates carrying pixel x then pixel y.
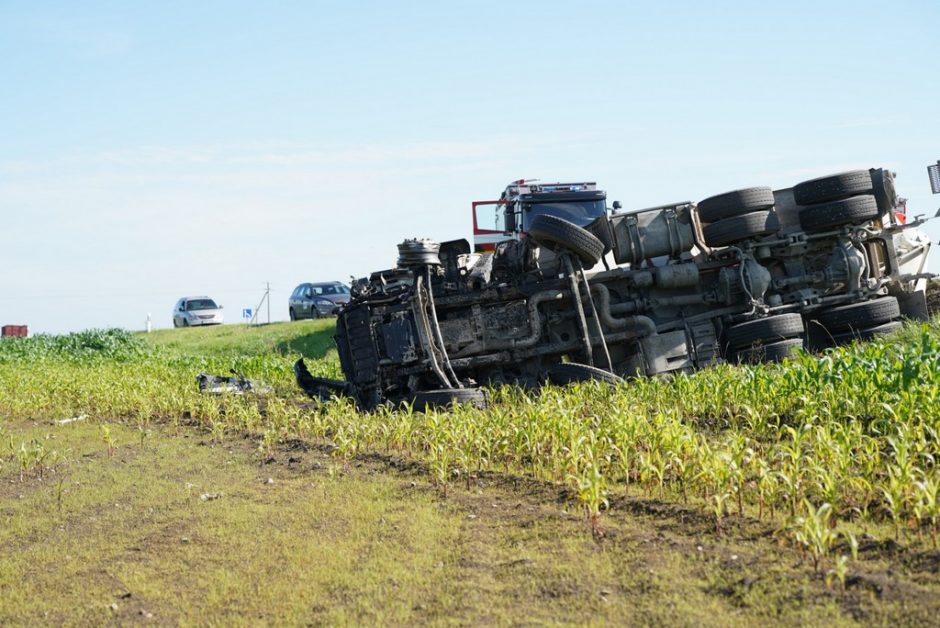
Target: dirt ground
{"type": "Point", "coordinates": [179, 528]}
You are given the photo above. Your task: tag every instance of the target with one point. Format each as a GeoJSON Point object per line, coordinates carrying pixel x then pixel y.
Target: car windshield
{"type": "Point", "coordinates": [581, 213]}
{"type": "Point", "coordinates": [331, 288]}
{"type": "Point", "coordinates": [201, 304]}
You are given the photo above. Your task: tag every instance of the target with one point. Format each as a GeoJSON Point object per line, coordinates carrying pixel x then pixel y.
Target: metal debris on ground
{"type": "Point", "coordinates": [219, 384]}
{"type": "Point", "coordinates": [74, 419]}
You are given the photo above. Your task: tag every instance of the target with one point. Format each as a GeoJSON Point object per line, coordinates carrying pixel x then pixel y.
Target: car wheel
{"type": "Point", "coordinates": [314, 312]}
{"type": "Point", "coordinates": [445, 398]}
{"type": "Point", "coordinates": [176, 323]}
{"type": "Point", "coordinates": [735, 203]}
{"type": "Point", "coordinates": [737, 228]}
{"type": "Point", "coordinates": [860, 315]}
{"type": "Point", "coordinates": [292, 315]}
{"type": "Point", "coordinates": [556, 233]}
{"type": "Point", "coordinates": [571, 372]}
{"type": "Point", "coordinates": [764, 330]}
{"type": "Point", "coordinates": [771, 352]}
{"type": "Point", "coordinates": [867, 333]}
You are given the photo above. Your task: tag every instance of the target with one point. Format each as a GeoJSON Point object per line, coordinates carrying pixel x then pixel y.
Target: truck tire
{"type": "Point", "coordinates": [447, 397]}
{"type": "Point", "coordinates": [833, 187]}
{"type": "Point", "coordinates": [867, 333]}
{"type": "Point", "coordinates": [850, 211]}
{"type": "Point", "coordinates": [764, 330]}
{"type": "Point", "coordinates": [773, 352]}
{"type": "Point", "coordinates": [735, 203]}
{"type": "Point", "coordinates": [737, 228]}
{"type": "Point", "coordinates": [571, 372]}
{"type": "Point", "coordinates": [859, 315]}
{"type": "Point", "coordinates": [556, 233]}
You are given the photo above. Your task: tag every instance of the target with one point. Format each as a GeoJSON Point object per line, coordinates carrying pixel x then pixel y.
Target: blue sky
{"type": "Point", "coordinates": [154, 150]}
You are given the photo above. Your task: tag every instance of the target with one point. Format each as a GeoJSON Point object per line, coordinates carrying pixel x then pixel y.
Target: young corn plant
{"type": "Point", "coordinates": [440, 466]}
{"type": "Point", "coordinates": [44, 457]}
{"type": "Point", "coordinates": [26, 457]}
{"type": "Point", "coordinates": [927, 506]}
{"type": "Point", "coordinates": [812, 533]}
{"type": "Point", "coordinates": [839, 571]}
{"type": "Point", "coordinates": [719, 506]}
{"type": "Point", "coordinates": [143, 433]}
{"type": "Point", "coordinates": [591, 487]}
{"type": "Point", "coordinates": [895, 495]}
{"type": "Point", "coordinates": [108, 438]}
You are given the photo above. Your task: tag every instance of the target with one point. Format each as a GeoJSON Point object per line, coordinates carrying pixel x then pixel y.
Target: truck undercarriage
{"type": "Point", "coordinates": [747, 276]}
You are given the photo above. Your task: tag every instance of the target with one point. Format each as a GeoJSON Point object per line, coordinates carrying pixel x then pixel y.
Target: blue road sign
{"type": "Point", "coordinates": [246, 312]}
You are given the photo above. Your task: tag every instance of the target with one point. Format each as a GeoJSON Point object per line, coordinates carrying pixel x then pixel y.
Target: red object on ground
{"type": "Point", "coordinates": [16, 331]}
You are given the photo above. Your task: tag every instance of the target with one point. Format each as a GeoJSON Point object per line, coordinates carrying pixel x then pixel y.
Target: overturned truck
{"type": "Point", "coordinates": [746, 276]}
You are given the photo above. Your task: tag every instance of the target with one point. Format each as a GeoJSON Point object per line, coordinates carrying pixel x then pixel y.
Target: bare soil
{"type": "Point", "coordinates": [184, 529]}
{"type": "Point", "coordinates": [669, 552]}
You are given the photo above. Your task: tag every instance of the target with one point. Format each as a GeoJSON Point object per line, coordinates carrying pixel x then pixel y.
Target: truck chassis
{"type": "Point", "coordinates": [752, 275]}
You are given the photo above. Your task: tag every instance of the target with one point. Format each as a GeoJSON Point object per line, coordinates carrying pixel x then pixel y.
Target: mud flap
{"type": "Point", "coordinates": [666, 352]}
{"type": "Point", "coordinates": [914, 305]}
{"type": "Point", "coordinates": [320, 388]}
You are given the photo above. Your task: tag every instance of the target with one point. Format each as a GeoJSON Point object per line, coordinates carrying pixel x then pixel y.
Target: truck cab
{"type": "Point", "coordinates": [509, 217]}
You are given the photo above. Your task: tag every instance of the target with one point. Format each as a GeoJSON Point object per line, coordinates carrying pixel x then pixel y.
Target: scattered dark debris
{"type": "Point", "coordinates": [236, 385]}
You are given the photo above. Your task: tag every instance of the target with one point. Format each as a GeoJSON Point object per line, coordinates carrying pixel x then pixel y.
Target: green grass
{"type": "Point", "coordinates": [101, 529]}
{"type": "Point", "coordinates": [312, 339]}
{"type": "Point", "coordinates": [734, 460]}
{"type": "Point", "coordinates": [129, 538]}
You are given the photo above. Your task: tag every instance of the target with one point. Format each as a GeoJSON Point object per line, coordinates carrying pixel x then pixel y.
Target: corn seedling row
{"type": "Point", "coordinates": [850, 437]}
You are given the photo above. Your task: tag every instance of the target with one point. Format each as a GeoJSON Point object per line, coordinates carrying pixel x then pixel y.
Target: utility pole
{"type": "Point", "coordinates": [266, 297]}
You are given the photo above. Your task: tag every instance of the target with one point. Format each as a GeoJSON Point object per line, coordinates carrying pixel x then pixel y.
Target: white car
{"type": "Point", "coordinates": [192, 311]}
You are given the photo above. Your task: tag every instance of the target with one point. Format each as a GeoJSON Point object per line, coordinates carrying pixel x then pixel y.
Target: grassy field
{"type": "Point", "coordinates": [798, 494]}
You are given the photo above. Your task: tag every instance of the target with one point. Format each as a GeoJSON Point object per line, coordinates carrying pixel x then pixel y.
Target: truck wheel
{"type": "Point", "coordinates": [764, 330]}
{"type": "Point", "coordinates": [833, 188]}
{"type": "Point", "coordinates": [850, 211]}
{"type": "Point", "coordinates": [556, 233]}
{"type": "Point", "coordinates": [738, 228]}
{"type": "Point", "coordinates": [867, 333]}
{"type": "Point", "coordinates": [571, 372]}
{"type": "Point", "coordinates": [735, 203]}
{"type": "Point", "coordinates": [860, 315]}
{"type": "Point", "coordinates": [772, 352]}
{"type": "Point", "coordinates": [447, 397]}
